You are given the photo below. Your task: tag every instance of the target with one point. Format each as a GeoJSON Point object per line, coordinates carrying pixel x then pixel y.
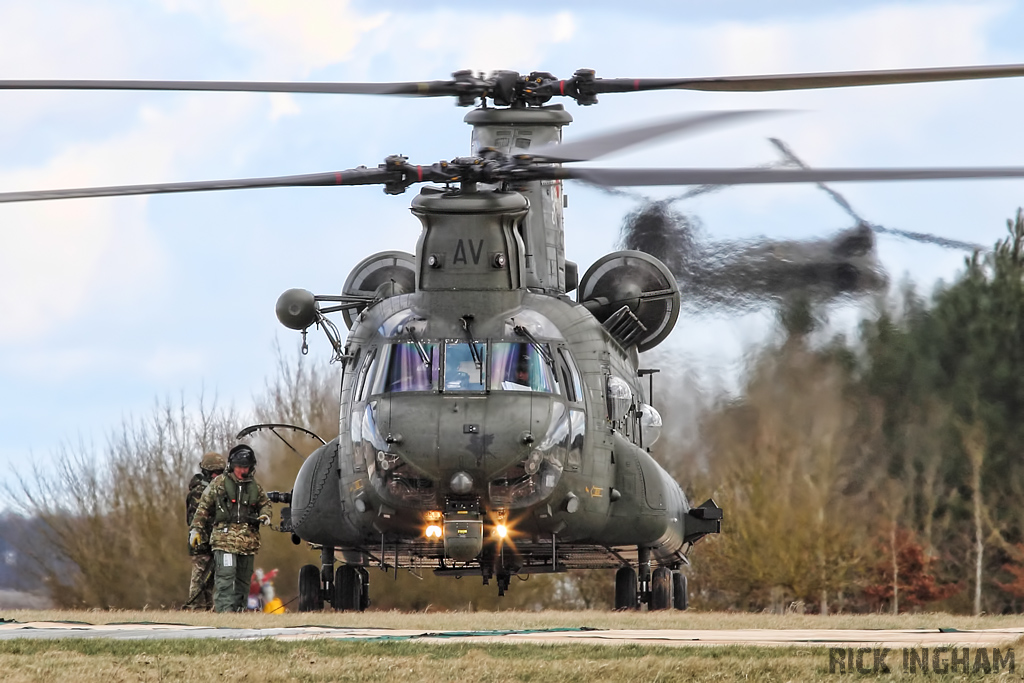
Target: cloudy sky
{"type": "Point", "coordinates": [109, 304]}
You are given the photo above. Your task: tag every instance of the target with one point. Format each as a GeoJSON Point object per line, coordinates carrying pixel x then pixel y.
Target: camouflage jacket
{"type": "Point", "coordinates": [195, 491]}
{"type": "Point", "coordinates": [228, 510]}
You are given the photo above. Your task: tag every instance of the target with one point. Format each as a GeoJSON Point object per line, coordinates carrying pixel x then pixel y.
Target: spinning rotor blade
{"type": "Point", "coordinates": [839, 199]}
{"type": "Point", "coordinates": [422, 89]}
{"type": "Point", "coordinates": [600, 145]}
{"type": "Point", "coordinates": [508, 87]}
{"type": "Point", "coordinates": [755, 176]}
{"type": "Point", "coordinates": [809, 81]}
{"type": "Point", "coordinates": [358, 176]}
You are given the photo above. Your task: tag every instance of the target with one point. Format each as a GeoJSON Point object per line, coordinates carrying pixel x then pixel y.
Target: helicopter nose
{"type": "Point", "coordinates": [461, 443]}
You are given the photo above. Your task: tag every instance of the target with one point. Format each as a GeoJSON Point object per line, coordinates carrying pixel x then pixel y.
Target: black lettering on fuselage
{"type": "Point", "coordinates": [460, 252]}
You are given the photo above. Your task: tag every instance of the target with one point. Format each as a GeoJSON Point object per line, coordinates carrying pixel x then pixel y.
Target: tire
{"type": "Point", "coordinates": [661, 589]}
{"type": "Point", "coordinates": [626, 589]}
{"type": "Point", "coordinates": [680, 596]}
{"type": "Point", "coordinates": [364, 593]}
{"type": "Point", "coordinates": [311, 598]}
{"type": "Point", "coordinates": [347, 588]}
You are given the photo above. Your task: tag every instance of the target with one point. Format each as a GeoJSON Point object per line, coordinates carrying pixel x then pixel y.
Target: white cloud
{"type": "Point", "coordinates": [281, 105]}
{"type": "Point", "coordinates": [288, 39]}
{"type": "Point", "coordinates": [59, 258]}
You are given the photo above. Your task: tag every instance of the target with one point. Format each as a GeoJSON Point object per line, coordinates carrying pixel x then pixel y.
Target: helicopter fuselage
{"type": "Point", "coordinates": [478, 412]}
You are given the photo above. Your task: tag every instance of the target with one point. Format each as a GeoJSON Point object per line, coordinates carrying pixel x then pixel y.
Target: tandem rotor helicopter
{"type": "Point", "coordinates": [492, 425]}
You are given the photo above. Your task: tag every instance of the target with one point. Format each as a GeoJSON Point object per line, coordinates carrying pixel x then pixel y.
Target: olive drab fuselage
{"type": "Point", "coordinates": [430, 396]}
{"type": "Point", "coordinates": [479, 398]}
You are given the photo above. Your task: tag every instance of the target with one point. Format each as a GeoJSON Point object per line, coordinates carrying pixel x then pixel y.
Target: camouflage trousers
{"type": "Point", "coordinates": [232, 574]}
{"type": "Point", "coordinates": [201, 591]}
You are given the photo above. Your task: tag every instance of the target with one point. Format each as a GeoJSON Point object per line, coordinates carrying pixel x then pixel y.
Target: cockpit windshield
{"type": "Point", "coordinates": [464, 366]}
{"type": "Point", "coordinates": [519, 366]}
{"type": "Point", "coordinates": [405, 368]}
{"type": "Point", "coordinates": [480, 366]}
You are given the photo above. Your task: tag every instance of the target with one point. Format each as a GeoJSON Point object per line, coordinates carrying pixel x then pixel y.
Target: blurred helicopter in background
{"type": "Point", "coordinates": [491, 425]}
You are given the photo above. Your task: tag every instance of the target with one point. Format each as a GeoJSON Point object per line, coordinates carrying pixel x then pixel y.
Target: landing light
{"type": "Point", "coordinates": [433, 531]}
{"type": "Point", "coordinates": [502, 530]}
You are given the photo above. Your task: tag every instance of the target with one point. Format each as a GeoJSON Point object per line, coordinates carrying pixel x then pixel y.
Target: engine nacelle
{"type": "Point", "coordinates": [379, 276]}
{"type": "Point", "coordinates": [635, 297]}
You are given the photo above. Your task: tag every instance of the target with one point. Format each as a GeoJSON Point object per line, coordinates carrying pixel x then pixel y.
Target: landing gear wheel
{"type": "Point", "coordinates": [311, 598]}
{"type": "Point", "coordinates": [626, 588]}
{"type": "Point", "coordinates": [661, 589]}
{"type": "Point", "coordinates": [348, 587]}
{"type": "Point", "coordinates": [364, 593]}
{"type": "Point", "coordinates": [680, 598]}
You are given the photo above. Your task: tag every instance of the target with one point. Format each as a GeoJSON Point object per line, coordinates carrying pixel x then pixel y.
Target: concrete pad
{"type": "Point", "coordinates": [676, 637]}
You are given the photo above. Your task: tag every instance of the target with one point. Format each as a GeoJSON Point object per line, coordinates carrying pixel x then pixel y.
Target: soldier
{"type": "Point", "coordinates": [233, 506]}
{"type": "Point", "coordinates": [200, 593]}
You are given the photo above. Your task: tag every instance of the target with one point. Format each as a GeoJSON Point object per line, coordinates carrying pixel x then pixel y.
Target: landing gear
{"type": "Point", "coordinates": [626, 589]}
{"type": "Point", "coordinates": [364, 592]}
{"type": "Point", "coordinates": [348, 589]}
{"type": "Point", "coordinates": [680, 597]}
{"type": "Point", "coordinates": [311, 597]}
{"type": "Point", "coordinates": [661, 589]}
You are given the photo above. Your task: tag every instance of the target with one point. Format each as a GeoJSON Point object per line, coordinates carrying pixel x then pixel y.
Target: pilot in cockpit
{"type": "Point", "coordinates": [520, 381]}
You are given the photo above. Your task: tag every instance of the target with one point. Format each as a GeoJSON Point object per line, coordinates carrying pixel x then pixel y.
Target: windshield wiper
{"type": "Point", "coordinates": [424, 356]}
{"type": "Point", "coordinates": [467, 324]}
{"type": "Point", "coordinates": [467, 321]}
{"type": "Point", "coordinates": [541, 349]}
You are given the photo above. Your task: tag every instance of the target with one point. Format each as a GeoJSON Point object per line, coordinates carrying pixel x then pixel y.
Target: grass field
{"type": "Point", "coordinates": [393, 662]}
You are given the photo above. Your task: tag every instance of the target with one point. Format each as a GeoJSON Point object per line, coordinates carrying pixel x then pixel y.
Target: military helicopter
{"type": "Point", "coordinates": [491, 425]}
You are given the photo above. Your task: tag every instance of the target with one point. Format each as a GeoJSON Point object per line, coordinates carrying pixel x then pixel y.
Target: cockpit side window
{"type": "Point", "coordinates": [573, 384]}
{"type": "Point", "coordinates": [364, 371]}
{"type": "Point", "coordinates": [519, 366]}
{"type": "Point", "coordinates": [403, 368]}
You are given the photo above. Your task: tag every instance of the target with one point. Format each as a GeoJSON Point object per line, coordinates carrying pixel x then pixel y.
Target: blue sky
{"type": "Point", "coordinates": [110, 304]}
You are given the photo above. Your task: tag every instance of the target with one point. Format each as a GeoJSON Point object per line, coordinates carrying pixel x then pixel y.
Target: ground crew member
{"type": "Point", "coordinates": [200, 591]}
{"type": "Point", "coordinates": [233, 507]}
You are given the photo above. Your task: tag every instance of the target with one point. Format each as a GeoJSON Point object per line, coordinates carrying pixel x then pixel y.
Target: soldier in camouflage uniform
{"type": "Point", "coordinates": [233, 507]}
{"type": "Point", "coordinates": [200, 591]}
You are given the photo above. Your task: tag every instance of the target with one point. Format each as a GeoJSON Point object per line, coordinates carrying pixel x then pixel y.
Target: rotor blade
{"type": "Point", "coordinates": [839, 199]}
{"type": "Point", "coordinates": [836, 79]}
{"type": "Point", "coordinates": [358, 176]}
{"type": "Point", "coordinates": [632, 177]}
{"type": "Point", "coordinates": [420, 89]}
{"type": "Point", "coordinates": [600, 145]}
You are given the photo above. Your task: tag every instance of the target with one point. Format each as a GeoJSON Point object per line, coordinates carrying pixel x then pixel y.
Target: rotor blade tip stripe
{"type": "Point", "coordinates": [419, 173]}
{"type": "Point", "coordinates": [561, 87]}
{"type": "Point", "coordinates": [636, 84]}
{"type": "Point", "coordinates": [337, 177]}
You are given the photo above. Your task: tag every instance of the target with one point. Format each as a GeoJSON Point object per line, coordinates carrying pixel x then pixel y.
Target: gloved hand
{"type": "Point", "coordinates": [264, 520]}
{"type": "Point", "coordinates": [194, 538]}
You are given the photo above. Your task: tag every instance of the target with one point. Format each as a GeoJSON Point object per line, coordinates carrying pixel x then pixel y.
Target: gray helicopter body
{"type": "Point", "coordinates": [475, 400]}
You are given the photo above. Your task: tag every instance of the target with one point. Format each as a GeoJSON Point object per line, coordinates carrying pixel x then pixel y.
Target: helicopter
{"type": "Point", "coordinates": [490, 424]}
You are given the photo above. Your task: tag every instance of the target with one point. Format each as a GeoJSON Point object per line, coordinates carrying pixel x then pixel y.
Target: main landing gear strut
{"type": "Point", "coordinates": [347, 589]}
{"type": "Point", "coordinates": [660, 589]}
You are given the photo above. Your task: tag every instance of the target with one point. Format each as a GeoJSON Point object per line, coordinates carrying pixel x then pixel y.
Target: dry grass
{"type": "Point", "coordinates": [523, 620]}
{"type": "Point", "coordinates": [397, 662]}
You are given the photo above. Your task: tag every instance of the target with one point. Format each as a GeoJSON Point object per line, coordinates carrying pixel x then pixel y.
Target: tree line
{"type": "Point", "coordinates": [883, 471]}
